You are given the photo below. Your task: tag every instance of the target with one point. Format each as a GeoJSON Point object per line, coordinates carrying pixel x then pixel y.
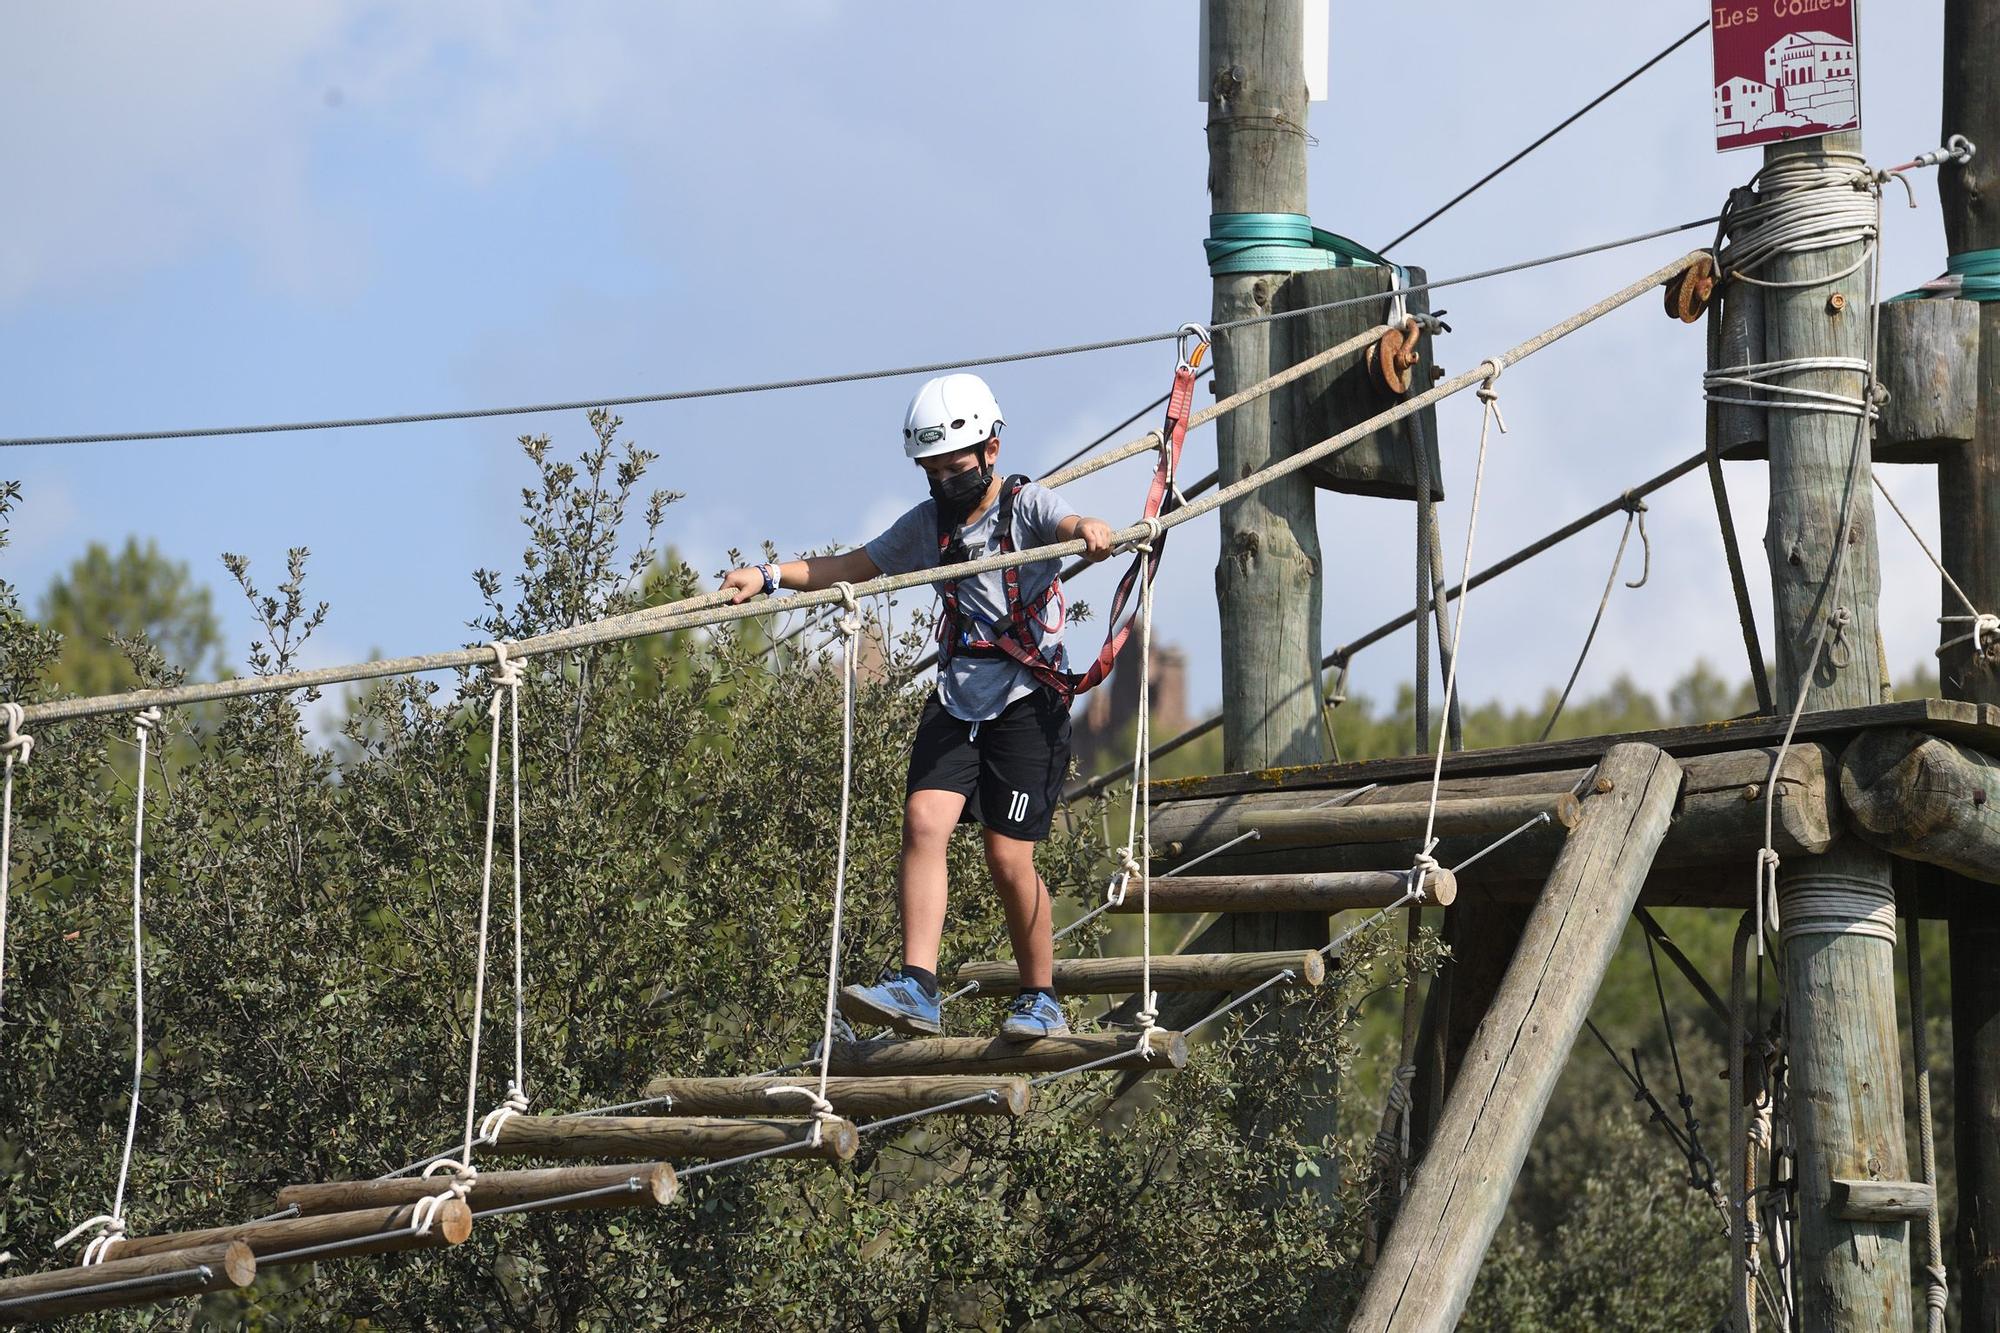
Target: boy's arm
{"type": "Point", "coordinates": [822, 571]}
{"type": "Point", "coordinates": [1096, 534]}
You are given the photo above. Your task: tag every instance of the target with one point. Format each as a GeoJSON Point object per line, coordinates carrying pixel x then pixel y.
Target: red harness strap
{"type": "Point", "coordinates": [1016, 638]}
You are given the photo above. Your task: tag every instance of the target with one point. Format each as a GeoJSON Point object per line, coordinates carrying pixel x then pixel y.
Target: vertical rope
{"type": "Point", "coordinates": [519, 1087]}
{"type": "Point", "coordinates": [850, 629]}
{"type": "Point", "coordinates": [17, 744]}
{"type": "Point", "coordinates": [1937, 1288]}
{"type": "Point", "coordinates": [110, 1226]}
{"type": "Point", "coordinates": [1148, 1017]}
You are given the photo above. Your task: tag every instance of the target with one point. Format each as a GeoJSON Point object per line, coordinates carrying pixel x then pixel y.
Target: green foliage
{"type": "Point", "coordinates": [104, 605]}
{"type": "Point", "coordinates": [310, 912]}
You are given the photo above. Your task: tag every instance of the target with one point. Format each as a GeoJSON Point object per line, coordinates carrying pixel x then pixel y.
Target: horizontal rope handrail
{"type": "Point", "coordinates": [711, 611]}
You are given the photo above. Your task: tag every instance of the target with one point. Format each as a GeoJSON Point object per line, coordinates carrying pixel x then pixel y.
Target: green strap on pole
{"type": "Point", "coordinates": [1972, 276]}
{"type": "Point", "coordinates": [1279, 243]}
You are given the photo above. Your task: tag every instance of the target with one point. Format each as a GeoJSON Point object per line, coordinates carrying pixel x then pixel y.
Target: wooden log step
{"type": "Point", "coordinates": [676, 1138]}
{"type": "Point", "coordinates": [1002, 1055]}
{"type": "Point", "coordinates": [855, 1098]}
{"type": "Point", "coordinates": [1337, 891]}
{"type": "Point", "coordinates": [1881, 1200]}
{"type": "Point", "coordinates": [1486, 816]}
{"type": "Point", "coordinates": [370, 1231]}
{"type": "Point", "coordinates": [651, 1185]}
{"type": "Point", "coordinates": [118, 1283]}
{"type": "Point", "coordinates": [1171, 972]}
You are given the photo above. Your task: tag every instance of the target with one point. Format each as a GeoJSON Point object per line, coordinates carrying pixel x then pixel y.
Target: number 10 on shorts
{"type": "Point", "coordinates": [1017, 807]}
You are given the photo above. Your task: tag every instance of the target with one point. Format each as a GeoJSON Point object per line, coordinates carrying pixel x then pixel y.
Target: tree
{"type": "Point", "coordinates": [109, 606]}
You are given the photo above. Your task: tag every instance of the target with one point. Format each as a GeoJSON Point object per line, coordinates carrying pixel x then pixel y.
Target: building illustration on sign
{"type": "Point", "coordinates": [1809, 86]}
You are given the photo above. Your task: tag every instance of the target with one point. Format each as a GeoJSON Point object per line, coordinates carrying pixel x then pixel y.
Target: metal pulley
{"type": "Point", "coordinates": [1688, 293]}
{"type": "Point", "coordinates": [1394, 357]}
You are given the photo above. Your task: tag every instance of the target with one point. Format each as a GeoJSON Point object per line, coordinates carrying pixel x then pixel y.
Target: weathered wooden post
{"type": "Point", "coordinates": [1838, 908]}
{"type": "Point", "coordinates": [1969, 520]}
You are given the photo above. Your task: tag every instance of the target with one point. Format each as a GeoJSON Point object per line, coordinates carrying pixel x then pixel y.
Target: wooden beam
{"type": "Point", "coordinates": [1335, 891]}
{"type": "Point", "coordinates": [1718, 827]}
{"type": "Point", "coordinates": [1881, 1200]}
{"type": "Point", "coordinates": [1171, 972]}
{"type": "Point", "coordinates": [118, 1283]}
{"type": "Point", "coordinates": [651, 1185]}
{"type": "Point", "coordinates": [1973, 724]}
{"type": "Point", "coordinates": [1488, 816]}
{"type": "Point", "coordinates": [361, 1231]}
{"type": "Point", "coordinates": [1001, 1055]}
{"type": "Point", "coordinates": [1455, 1203]}
{"type": "Point", "coordinates": [676, 1138]}
{"type": "Point", "coordinates": [855, 1098]}
{"type": "Point", "coordinates": [1925, 799]}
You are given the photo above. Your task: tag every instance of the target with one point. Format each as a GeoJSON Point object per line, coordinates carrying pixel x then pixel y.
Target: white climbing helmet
{"type": "Point", "coordinates": [950, 413]}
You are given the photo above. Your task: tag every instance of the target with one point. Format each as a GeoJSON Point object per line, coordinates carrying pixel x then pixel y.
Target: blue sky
{"type": "Point", "coordinates": [233, 212]}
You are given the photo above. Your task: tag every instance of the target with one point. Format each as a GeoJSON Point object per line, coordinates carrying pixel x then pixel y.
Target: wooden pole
{"type": "Point", "coordinates": [1490, 816]}
{"type": "Point", "coordinates": [172, 1275]}
{"type": "Point", "coordinates": [1268, 580]}
{"type": "Point", "coordinates": [1000, 1055]}
{"type": "Point", "coordinates": [1840, 982]}
{"type": "Point", "coordinates": [1925, 799]}
{"type": "Point", "coordinates": [1969, 529]}
{"type": "Point", "coordinates": [1339, 891]}
{"type": "Point", "coordinates": [1459, 1194]}
{"type": "Point", "coordinates": [673, 1137]}
{"type": "Point", "coordinates": [1170, 972]}
{"type": "Point", "coordinates": [855, 1098]}
{"type": "Point", "coordinates": [651, 1185]}
{"type": "Point", "coordinates": [371, 1231]}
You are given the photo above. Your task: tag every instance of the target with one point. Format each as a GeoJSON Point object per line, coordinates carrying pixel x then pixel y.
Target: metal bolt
{"type": "Point", "coordinates": [1836, 303]}
{"type": "Point", "coordinates": [1752, 791]}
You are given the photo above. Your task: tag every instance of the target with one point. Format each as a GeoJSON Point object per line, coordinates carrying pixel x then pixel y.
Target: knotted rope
{"type": "Point", "coordinates": [822, 1109]}
{"type": "Point", "coordinates": [16, 745]}
{"type": "Point", "coordinates": [110, 1226]}
{"type": "Point", "coordinates": [849, 627]}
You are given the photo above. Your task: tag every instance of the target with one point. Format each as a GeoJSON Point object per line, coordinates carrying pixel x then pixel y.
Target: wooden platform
{"type": "Point", "coordinates": [1977, 725]}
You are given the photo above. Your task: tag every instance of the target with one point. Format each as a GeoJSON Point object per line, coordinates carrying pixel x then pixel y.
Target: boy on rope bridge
{"type": "Point", "coordinates": [992, 746]}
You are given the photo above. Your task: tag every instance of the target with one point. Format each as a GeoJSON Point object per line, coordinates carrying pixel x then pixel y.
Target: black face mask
{"type": "Point", "coordinates": [960, 493]}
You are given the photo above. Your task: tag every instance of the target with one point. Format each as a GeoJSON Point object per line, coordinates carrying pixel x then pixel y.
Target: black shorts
{"type": "Point", "coordinates": [1011, 771]}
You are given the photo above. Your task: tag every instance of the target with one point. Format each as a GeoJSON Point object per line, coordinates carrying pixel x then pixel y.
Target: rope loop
{"type": "Point", "coordinates": [515, 1104]}
{"type": "Point", "coordinates": [1636, 507]}
{"type": "Point", "coordinates": [850, 621]}
{"type": "Point", "coordinates": [506, 671]}
{"type": "Point", "coordinates": [109, 1228]}
{"type": "Point", "coordinates": [18, 745]}
{"type": "Point", "coordinates": [1422, 867]}
{"type": "Point", "coordinates": [1984, 635]}
{"type": "Point", "coordinates": [1837, 649]}
{"type": "Point", "coordinates": [1121, 882]}
{"type": "Point", "coordinates": [822, 1109]}
{"type": "Point", "coordinates": [1488, 393]}
{"type": "Point", "coordinates": [146, 719]}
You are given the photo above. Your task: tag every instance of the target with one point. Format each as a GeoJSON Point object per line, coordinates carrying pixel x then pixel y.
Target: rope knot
{"type": "Point", "coordinates": [146, 719]}
{"type": "Point", "coordinates": [822, 1109]}
{"type": "Point", "coordinates": [1422, 867]}
{"type": "Point", "coordinates": [1488, 393]}
{"type": "Point", "coordinates": [849, 623]}
{"type": "Point", "coordinates": [109, 1228]}
{"type": "Point", "coordinates": [495, 1119]}
{"type": "Point", "coordinates": [1149, 1023]}
{"type": "Point", "coordinates": [16, 739]}
{"type": "Point", "coordinates": [1121, 882]}
{"type": "Point", "coordinates": [505, 672]}
{"type": "Point", "coordinates": [1154, 528]}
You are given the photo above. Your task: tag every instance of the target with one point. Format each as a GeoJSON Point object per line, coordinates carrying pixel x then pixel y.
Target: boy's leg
{"type": "Point", "coordinates": [929, 816]}
{"type": "Point", "coordinates": [1026, 900]}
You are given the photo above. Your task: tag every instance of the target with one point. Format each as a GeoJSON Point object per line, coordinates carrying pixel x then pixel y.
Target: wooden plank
{"type": "Point", "coordinates": [651, 1185]}
{"type": "Point", "coordinates": [1337, 891]}
{"type": "Point", "coordinates": [1329, 401]}
{"type": "Point", "coordinates": [1000, 1055]}
{"type": "Point", "coordinates": [1460, 1191]}
{"type": "Point", "coordinates": [1881, 1200]}
{"type": "Point", "coordinates": [1372, 822]}
{"type": "Point", "coordinates": [1970, 724]}
{"type": "Point", "coordinates": [1170, 972]}
{"type": "Point", "coordinates": [1925, 799]}
{"type": "Point", "coordinates": [167, 1276]}
{"type": "Point", "coordinates": [1718, 827]}
{"type": "Point", "coordinates": [674, 1138]}
{"type": "Point", "coordinates": [360, 1231]}
{"type": "Point", "coordinates": [855, 1098]}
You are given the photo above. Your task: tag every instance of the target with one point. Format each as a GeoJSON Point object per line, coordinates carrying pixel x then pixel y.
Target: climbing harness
{"type": "Point", "coordinates": [1019, 636]}
{"type": "Point", "coordinates": [111, 1226]}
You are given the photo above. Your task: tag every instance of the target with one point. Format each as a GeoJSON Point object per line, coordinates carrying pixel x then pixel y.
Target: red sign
{"type": "Point", "coordinates": [1784, 69]}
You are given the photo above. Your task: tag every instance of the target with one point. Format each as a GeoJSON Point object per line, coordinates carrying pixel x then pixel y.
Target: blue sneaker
{"type": "Point", "coordinates": [895, 1001]}
{"type": "Point", "coordinates": [1033, 1016]}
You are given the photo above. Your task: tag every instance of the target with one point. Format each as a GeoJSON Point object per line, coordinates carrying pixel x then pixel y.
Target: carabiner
{"type": "Point", "coordinates": [1190, 360]}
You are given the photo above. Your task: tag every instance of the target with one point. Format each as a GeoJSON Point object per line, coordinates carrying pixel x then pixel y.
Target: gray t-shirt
{"type": "Point", "coordinates": [975, 689]}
